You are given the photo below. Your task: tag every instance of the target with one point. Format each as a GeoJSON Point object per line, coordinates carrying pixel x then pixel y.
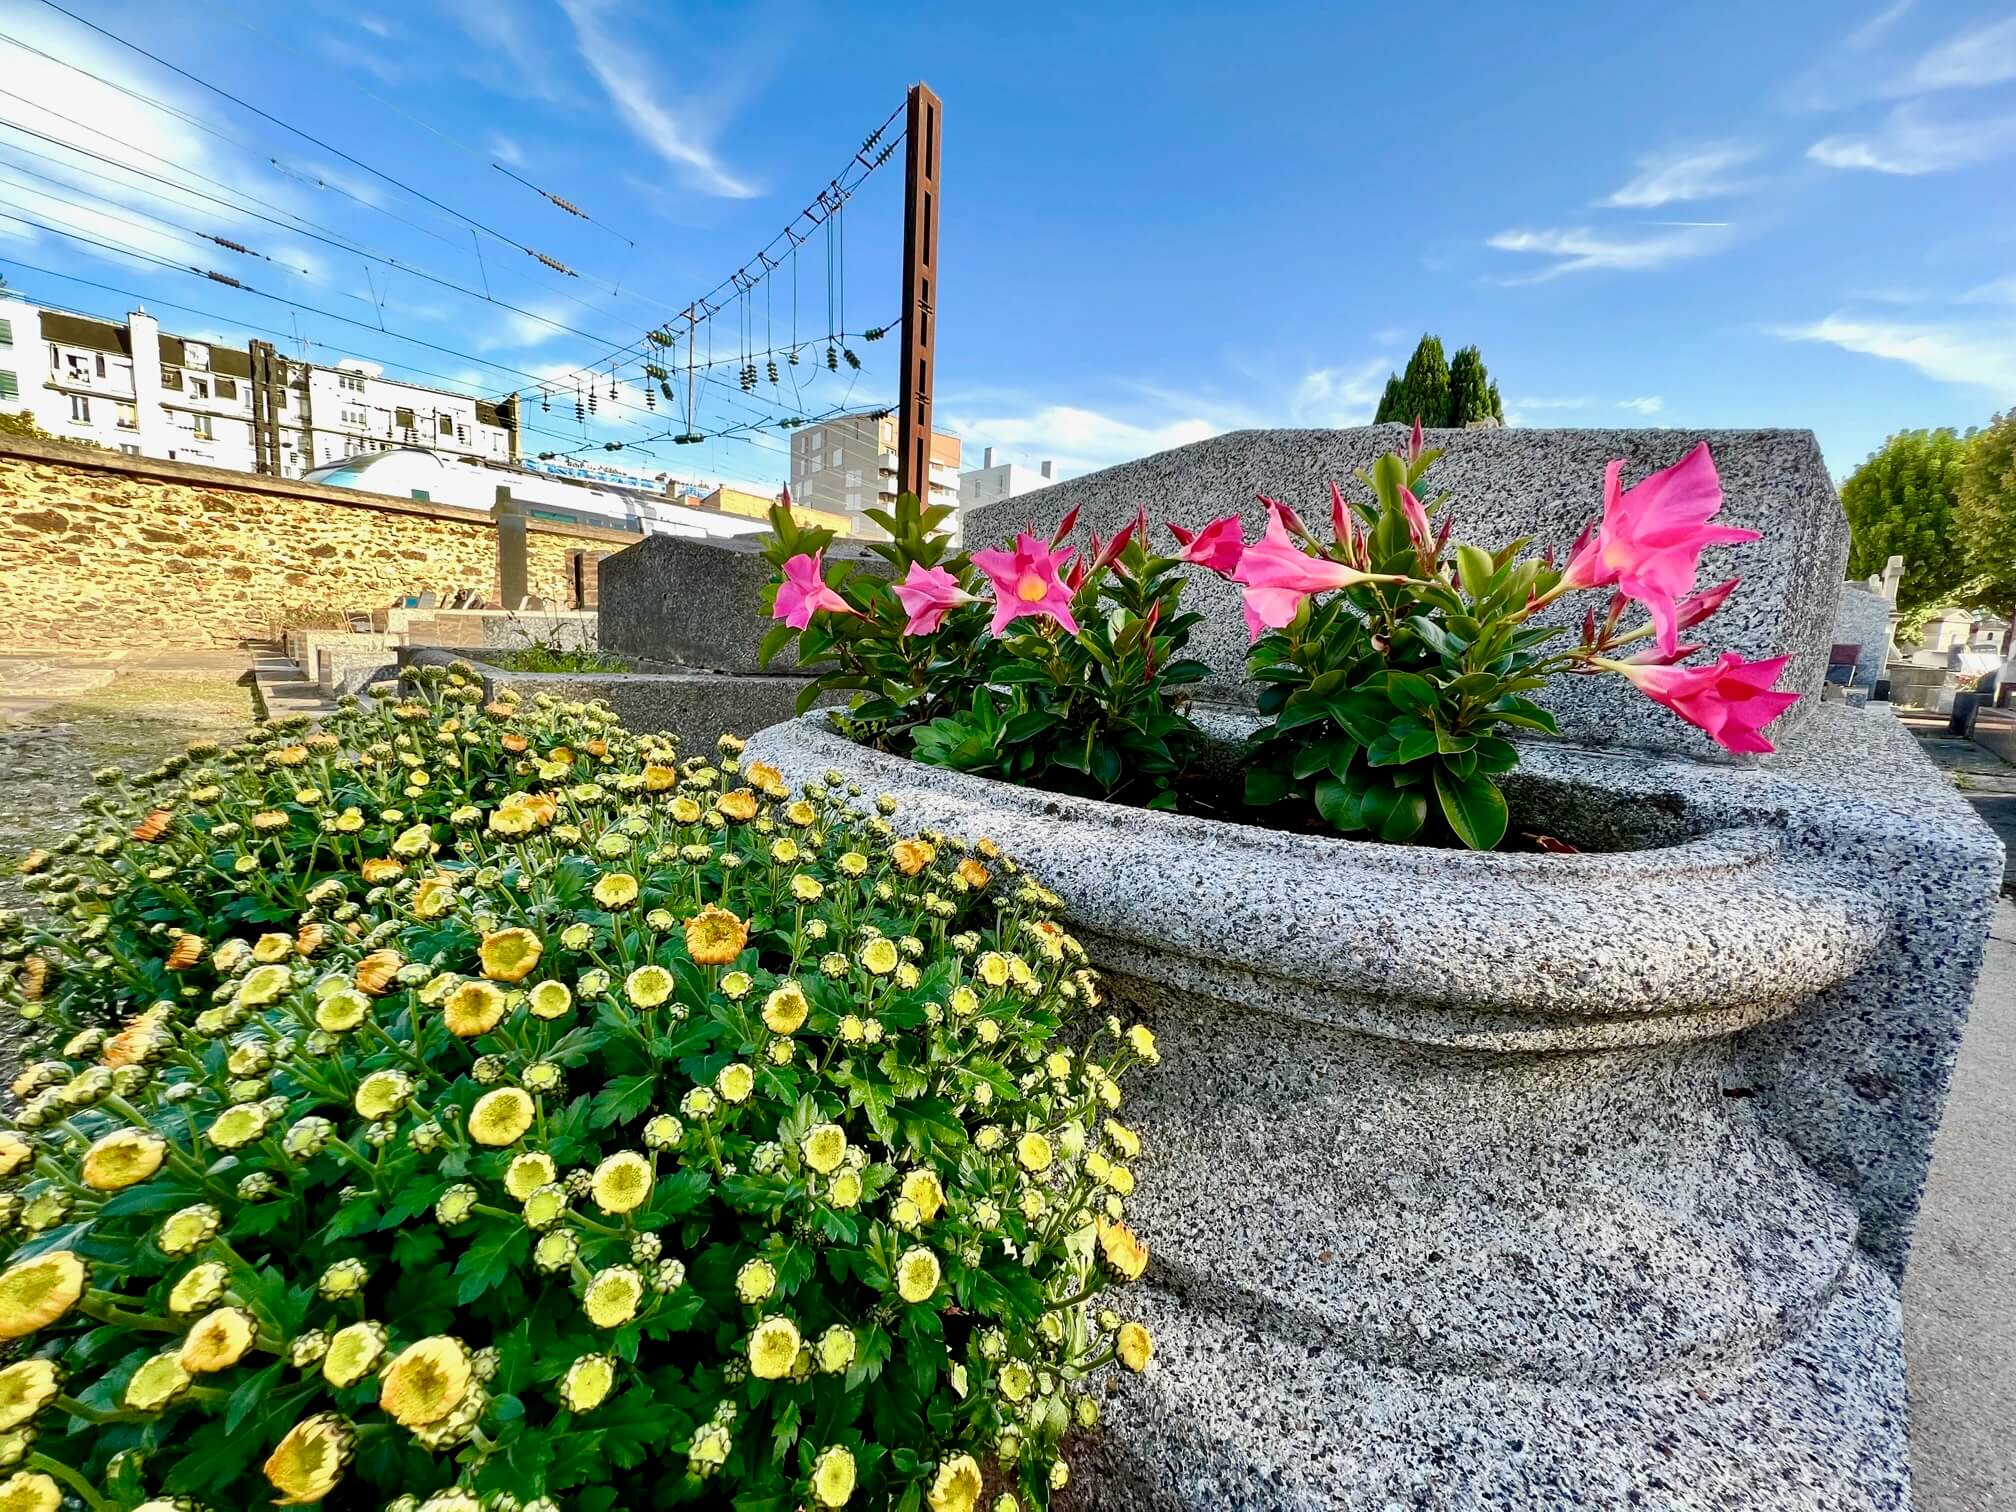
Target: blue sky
{"type": "Point", "coordinates": [1159, 221]}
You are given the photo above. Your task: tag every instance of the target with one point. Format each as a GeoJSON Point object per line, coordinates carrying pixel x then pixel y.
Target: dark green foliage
{"type": "Point", "coordinates": [1440, 393]}
{"type": "Point", "coordinates": [1985, 518]}
{"type": "Point", "coordinates": [1901, 502]}
{"type": "Point", "coordinates": [1470, 390]}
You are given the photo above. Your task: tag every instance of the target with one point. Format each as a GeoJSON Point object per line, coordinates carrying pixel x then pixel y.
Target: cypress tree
{"type": "Point", "coordinates": [1389, 402]}
{"type": "Point", "coordinates": [1469, 388]}
{"type": "Point", "coordinates": [1424, 387]}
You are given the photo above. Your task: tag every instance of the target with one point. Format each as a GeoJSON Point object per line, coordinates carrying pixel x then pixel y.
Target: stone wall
{"type": "Point", "coordinates": [99, 550]}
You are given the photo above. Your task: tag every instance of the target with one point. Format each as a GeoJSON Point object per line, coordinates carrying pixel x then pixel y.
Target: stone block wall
{"type": "Point", "coordinates": [99, 550]}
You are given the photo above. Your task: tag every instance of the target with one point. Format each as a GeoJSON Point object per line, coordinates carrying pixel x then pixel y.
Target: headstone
{"type": "Point", "coordinates": [1505, 484]}
{"type": "Point", "coordinates": [699, 603]}
{"type": "Point", "coordinates": [427, 600]}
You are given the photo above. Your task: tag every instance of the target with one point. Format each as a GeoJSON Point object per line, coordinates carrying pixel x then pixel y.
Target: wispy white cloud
{"type": "Point", "coordinates": [1579, 249]}
{"type": "Point", "coordinates": [1995, 291]}
{"type": "Point", "coordinates": [1340, 395]}
{"type": "Point", "coordinates": [1705, 172]}
{"type": "Point", "coordinates": [1911, 141]}
{"type": "Point", "coordinates": [507, 328]}
{"type": "Point", "coordinates": [377, 26]}
{"type": "Point", "coordinates": [511, 54]}
{"type": "Point", "coordinates": [506, 151]}
{"type": "Point", "coordinates": [1971, 355]}
{"type": "Point", "coordinates": [1971, 60]}
{"type": "Point", "coordinates": [1579, 401]}
{"type": "Point", "coordinates": [367, 58]}
{"type": "Point", "coordinates": [1651, 404]}
{"type": "Point", "coordinates": [1877, 27]}
{"type": "Point", "coordinates": [1080, 440]}
{"type": "Point", "coordinates": [632, 86]}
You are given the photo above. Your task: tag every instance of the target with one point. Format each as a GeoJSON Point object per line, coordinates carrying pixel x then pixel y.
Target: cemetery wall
{"type": "Point", "coordinates": [102, 551]}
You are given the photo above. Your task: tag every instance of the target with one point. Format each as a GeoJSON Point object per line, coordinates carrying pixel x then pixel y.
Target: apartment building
{"type": "Point", "coordinates": [847, 465]}
{"type": "Point", "coordinates": [135, 388]}
{"type": "Point", "coordinates": [992, 481]}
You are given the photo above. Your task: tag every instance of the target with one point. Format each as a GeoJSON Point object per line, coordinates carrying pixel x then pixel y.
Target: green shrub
{"type": "Point", "coordinates": [507, 1114]}
{"type": "Point", "coordinates": [543, 657]}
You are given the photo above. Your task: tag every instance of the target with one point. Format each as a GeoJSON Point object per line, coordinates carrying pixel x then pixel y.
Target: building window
{"type": "Point", "coordinates": [227, 388]}
{"type": "Point", "coordinates": [171, 377]}
{"type": "Point", "coordinates": [101, 364]}
{"type": "Point", "coordinates": [835, 460]}
{"type": "Point", "coordinates": [444, 424]}
{"type": "Point", "coordinates": [812, 440]}
{"type": "Point", "coordinates": [129, 417]}
{"type": "Point", "coordinates": [196, 355]}
{"type": "Point", "coordinates": [403, 418]}
{"type": "Point", "coordinates": [10, 386]}
{"type": "Point", "coordinates": [199, 388]}
{"type": "Point", "coordinates": [80, 409]}
{"type": "Point", "coordinates": [129, 448]}
{"type": "Point", "coordinates": [6, 333]}
{"type": "Point", "coordinates": [203, 427]}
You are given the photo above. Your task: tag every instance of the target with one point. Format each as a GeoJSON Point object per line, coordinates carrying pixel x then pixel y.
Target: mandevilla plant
{"type": "Point", "coordinates": [474, 1107]}
{"type": "Point", "coordinates": [1385, 699]}
{"type": "Point", "coordinates": [1035, 664]}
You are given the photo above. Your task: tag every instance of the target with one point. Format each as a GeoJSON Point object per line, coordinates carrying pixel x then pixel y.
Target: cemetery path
{"type": "Point", "coordinates": [1959, 1322]}
{"type": "Point", "coordinates": [62, 716]}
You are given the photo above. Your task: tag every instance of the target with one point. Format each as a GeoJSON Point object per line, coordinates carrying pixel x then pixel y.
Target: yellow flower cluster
{"type": "Point", "coordinates": [533, 1079]}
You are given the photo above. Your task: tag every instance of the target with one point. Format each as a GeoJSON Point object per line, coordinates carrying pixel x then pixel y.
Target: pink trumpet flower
{"type": "Point", "coordinates": [1340, 516]}
{"type": "Point", "coordinates": [1417, 522]}
{"type": "Point", "coordinates": [1026, 581]}
{"type": "Point", "coordinates": [1416, 442]}
{"type": "Point", "coordinates": [1217, 546]}
{"type": "Point", "coordinates": [927, 595]}
{"type": "Point", "coordinates": [804, 593]}
{"type": "Point", "coordinates": [1651, 538]}
{"type": "Point", "coordinates": [1732, 700]}
{"type": "Point", "coordinates": [1690, 611]}
{"type": "Point", "coordinates": [1278, 574]}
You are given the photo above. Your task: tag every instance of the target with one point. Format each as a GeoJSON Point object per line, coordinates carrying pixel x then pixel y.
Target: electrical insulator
{"type": "Point", "coordinates": [651, 399]}
{"type": "Point", "coordinates": [579, 412]}
{"type": "Point", "coordinates": [874, 333]}
{"type": "Point", "coordinates": [546, 404]}
{"type": "Point", "coordinates": [852, 361]}
{"type": "Point", "coordinates": [832, 360]}
{"type": "Point", "coordinates": [772, 365]}
{"type": "Point", "coordinates": [665, 389]}
{"type": "Point", "coordinates": [591, 401]}
{"type": "Point", "coordinates": [794, 356]}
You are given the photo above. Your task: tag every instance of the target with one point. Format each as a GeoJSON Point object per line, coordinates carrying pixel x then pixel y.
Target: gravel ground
{"type": "Point", "coordinates": [60, 721]}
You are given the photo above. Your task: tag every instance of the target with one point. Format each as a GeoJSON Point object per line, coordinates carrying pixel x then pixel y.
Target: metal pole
{"type": "Point", "coordinates": [920, 293]}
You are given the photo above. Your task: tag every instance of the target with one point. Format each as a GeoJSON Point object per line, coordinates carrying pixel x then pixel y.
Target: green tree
{"type": "Point", "coordinates": [1471, 392]}
{"type": "Point", "coordinates": [1901, 502]}
{"type": "Point", "coordinates": [1389, 402]}
{"type": "Point", "coordinates": [23, 425]}
{"type": "Point", "coordinates": [1984, 521]}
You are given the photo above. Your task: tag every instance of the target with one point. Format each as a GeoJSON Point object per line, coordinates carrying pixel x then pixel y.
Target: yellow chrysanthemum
{"type": "Point", "coordinates": [588, 1382]}
{"type": "Point", "coordinates": [735, 1081]}
{"type": "Point", "coordinates": [616, 890]}
{"type": "Point", "coordinates": [501, 1116]}
{"type": "Point", "coordinates": [26, 1387]}
{"type": "Point", "coordinates": [35, 1293]}
{"type": "Point", "coordinates": [306, 1465]}
{"type": "Point", "coordinates": [659, 778]}
{"type": "Point", "coordinates": [342, 1010]}
{"type": "Point", "coordinates": [1034, 1151]}
{"type": "Point", "coordinates": [622, 1182]}
{"type": "Point", "coordinates": [612, 1296]}
{"type": "Point", "coordinates": [922, 1188]}
{"type": "Point", "coordinates": [381, 1094]}
{"type": "Point", "coordinates": [879, 955]}
{"type": "Point", "coordinates": [956, 1487]}
{"type": "Point", "coordinates": [685, 810]}
{"type": "Point", "coordinates": [473, 1009]}
{"type": "Point", "coordinates": [773, 1349]}
{"type": "Point", "coordinates": [263, 984]}
{"type": "Point", "coordinates": [427, 1382]}
{"type": "Point", "coordinates": [185, 1228]}
{"type": "Point", "coordinates": [218, 1341]}
{"type": "Point", "coordinates": [739, 804]}
{"type": "Point", "coordinates": [15, 1152]}
{"type": "Point", "coordinates": [353, 1353]}
{"type": "Point", "coordinates": [509, 955]}
{"type": "Point", "coordinates": [200, 1287]}
{"type": "Point", "coordinates": [528, 1172]}
{"type": "Point", "coordinates": [755, 1281]}
{"type": "Point", "coordinates": [1123, 1249]}
{"type": "Point", "coordinates": [382, 869]}
{"type": "Point", "coordinates": [377, 972]}
{"type": "Point", "coordinates": [1142, 1042]}
{"type": "Point", "coordinates": [1135, 1346]}
{"type": "Point", "coordinates": [550, 1000]}
{"type": "Point", "coordinates": [807, 889]}
{"type": "Point", "coordinates": [785, 1009]}
{"type": "Point", "coordinates": [648, 986]}
{"type": "Point", "coordinates": [824, 1147]}
{"type": "Point", "coordinates": [837, 1348]}
{"type": "Point", "coordinates": [912, 856]}
{"type": "Point", "coordinates": [833, 1476]}
{"type": "Point", "coordinates": [236, 1127]}
{"type": "Point", "coordinates": [30, 1491]}
{"type": "Point", "coordinates": [122, 1159]}
{"type": "Point", "coordinates": [433, 897]}
{"type": "Point", "coordinates": [714, 936]}
{"type": "Point", "coordinates": [156, 1383]}
{"type": "Point", "coordinates": [917, 1274]}
{"type": "Point", "coordinates": [846, 1189]}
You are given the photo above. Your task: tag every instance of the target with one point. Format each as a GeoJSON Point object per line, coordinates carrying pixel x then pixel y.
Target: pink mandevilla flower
{"type": "Point", "coordinates": [1651, 538]}
{"type": "Point", "coordinates": [1731, 700]}
{"type": "Point", "coordinates": [1216, 546]}
{"type": "Point", "coordinates": [1278, 574]}
{"type": "Point", "coordinates": [804, 593]}
{"type": "Point", "coordinates": [927, 595]}
{"type": "Point", "coordinates": [1026, 582]}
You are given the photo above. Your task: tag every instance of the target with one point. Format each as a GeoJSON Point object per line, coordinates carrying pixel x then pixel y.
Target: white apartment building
{"type": "Point", "coordinates": [847, 464]}
{"type": "Point", "coordinates": [992, 481]}
{"type": "Point", "coordinates": [135, 388]}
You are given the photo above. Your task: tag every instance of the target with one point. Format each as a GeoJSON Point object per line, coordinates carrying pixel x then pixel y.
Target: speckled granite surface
{"type": "Point", "coordinates": [1514, 1181]}
{"type": "Point", "coordinates": [1507, 484]}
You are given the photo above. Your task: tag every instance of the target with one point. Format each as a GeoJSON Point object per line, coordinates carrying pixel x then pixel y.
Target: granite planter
{"type": "Point", "coordinates": [1522, 1180]}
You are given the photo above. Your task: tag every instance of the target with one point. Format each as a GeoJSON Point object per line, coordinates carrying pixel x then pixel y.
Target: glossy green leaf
{"type": "Point", "coordinates": [1473, 806]}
